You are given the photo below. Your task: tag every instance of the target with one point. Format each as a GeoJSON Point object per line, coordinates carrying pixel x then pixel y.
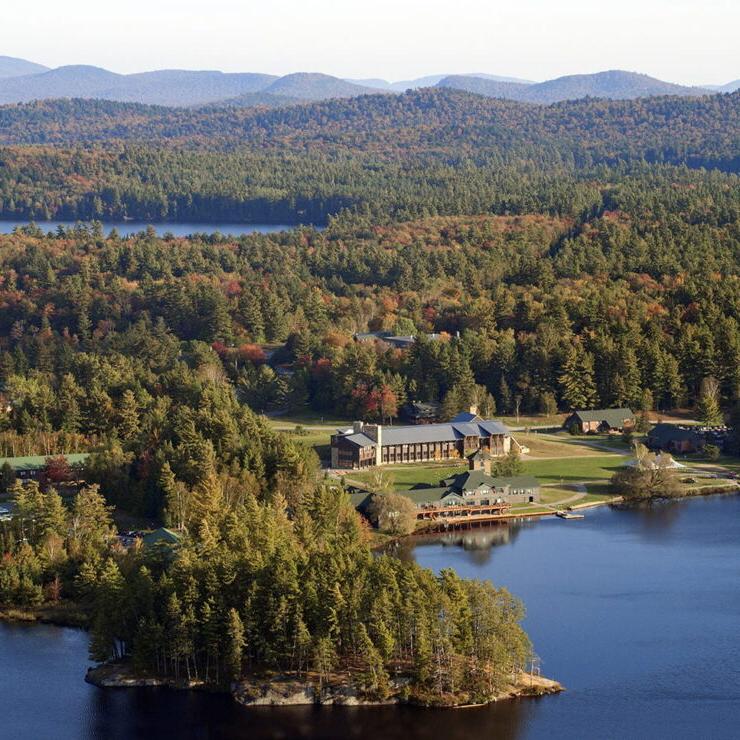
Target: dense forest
{"type": "Point", "coordinates": [428, 152]}
{"type": "Point", "coordinates": [634, 305]}
{"type": "Point", "coordinates": [572, 256]}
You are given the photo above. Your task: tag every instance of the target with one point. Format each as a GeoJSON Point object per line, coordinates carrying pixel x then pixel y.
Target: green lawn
{"type": "Point", "coordinates": [407, 476]}
{"type": "Point", "coordinates": [568, 470]}
{"type": "Point", "coordinates": [309, 418]}
{"type": "Point", "coordinates": [574, 469]}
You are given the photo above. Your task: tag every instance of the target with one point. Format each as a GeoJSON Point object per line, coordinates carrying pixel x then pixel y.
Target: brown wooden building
{"type": "Point", "coordinates": [366, 445]}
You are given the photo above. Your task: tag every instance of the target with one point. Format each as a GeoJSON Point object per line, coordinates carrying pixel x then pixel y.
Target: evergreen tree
{"type": "Point", "coordinates": [235, 643]}
{"type": "Point", "coordinates": [708, 409]}
{"type": "Point", "coordinates": [577, 379]}
{"type": "Point", "coordinates": [128, 416]}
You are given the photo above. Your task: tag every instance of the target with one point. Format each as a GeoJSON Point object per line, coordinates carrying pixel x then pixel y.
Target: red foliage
{"type": "Point", "coordinates": [58, 470]}
{"type": "Point", "coordinates": [252, 353]}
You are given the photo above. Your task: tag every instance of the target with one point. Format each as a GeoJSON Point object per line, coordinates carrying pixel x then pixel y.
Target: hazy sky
{"type": "Point", "coordinates": [686, 41]}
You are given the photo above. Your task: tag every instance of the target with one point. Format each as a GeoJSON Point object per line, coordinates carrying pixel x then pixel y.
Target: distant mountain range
{"type": "Point", "coordinates": [431, 81]}
{"type": "Point", "coordinates": [23, 81]}
{"type": "Point", "coordinates": [614, 84]}
{"type": "Point", "coordinates": [12, 67]}
{"type": "Point", "coordinates": [728, 88]}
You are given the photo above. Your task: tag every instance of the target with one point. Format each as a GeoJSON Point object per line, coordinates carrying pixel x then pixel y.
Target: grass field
{"type": "Point", "coordinates": [555, 420]}
{"type": "Point", "coordinates": [546, 446]}
{"type": "Point", "coordinates": [407, 476]}
{"type": "Point", "coordinates": [309, 418]}
{"type": "Point", "coordinates": [568, 470]}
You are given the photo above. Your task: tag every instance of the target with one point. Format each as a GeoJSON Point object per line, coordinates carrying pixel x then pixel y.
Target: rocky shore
{"type": "Point", "coordinates": [287, 690]}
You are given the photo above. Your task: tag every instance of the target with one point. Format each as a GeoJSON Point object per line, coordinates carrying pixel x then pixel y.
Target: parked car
{"type": "Point", "coordinates": [5, 515]}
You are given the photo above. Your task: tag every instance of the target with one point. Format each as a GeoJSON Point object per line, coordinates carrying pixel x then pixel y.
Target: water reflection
{"type": "Point", "coordinates": [477, 543]}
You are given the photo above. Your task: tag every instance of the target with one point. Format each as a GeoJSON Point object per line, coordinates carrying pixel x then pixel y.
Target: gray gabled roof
{"type": "Point", "coordinates": [613, 417]}
{"type": "Point", "coordinates": [664, 433]}
{"type": "Point", "coordinates": [464, 416]}
{"type": "Point", "coordinates": [474, 479]}
{"type": "Point", "coordinates": [360, 439]}
{"type": "Point", "coordinates": [450, 432]}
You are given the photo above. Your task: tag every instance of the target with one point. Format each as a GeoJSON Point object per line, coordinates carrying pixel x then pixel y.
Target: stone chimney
{"type": "Point", "coordinates": [474, 410]}
{"type": "Point", "coordinates": [357, 427]}
{"type": "Point", "coordinates": [375, 432]}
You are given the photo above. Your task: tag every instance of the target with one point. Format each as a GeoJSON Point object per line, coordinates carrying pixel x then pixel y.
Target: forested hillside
{"type": "Point", "coordinates": [422, 153]}
{"type": "Point", "coordinates": [633, 304]}
{"type": "Point", "coordinates": [579, 255]}
{"type": "Point", "coordinates": [615, 84]}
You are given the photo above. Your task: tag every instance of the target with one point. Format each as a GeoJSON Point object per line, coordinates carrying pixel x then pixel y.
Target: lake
{"type": "Point", "coordinates": [636, 612]}
{"type": "Point", "coordinates": [125, 228]}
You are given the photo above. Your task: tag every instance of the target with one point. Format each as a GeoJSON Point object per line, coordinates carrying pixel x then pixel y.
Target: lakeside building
{"type": "Point", "coordinates": [473, 493]}
{"type": "Point", "coordinates": [594, 421]}
{"type": "Point", "coordinates": [366, 445]}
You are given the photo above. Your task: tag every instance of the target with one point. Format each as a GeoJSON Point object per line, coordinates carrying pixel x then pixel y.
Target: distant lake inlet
{"type": "Point", "coordinates": [126, 228]}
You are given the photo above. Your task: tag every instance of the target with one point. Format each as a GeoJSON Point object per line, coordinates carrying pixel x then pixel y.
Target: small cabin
{"type": "Point", "coordinates": [600, 421]}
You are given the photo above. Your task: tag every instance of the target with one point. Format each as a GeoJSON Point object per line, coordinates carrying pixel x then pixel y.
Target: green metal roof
{"type": "Point", "coordinates": [161, 536]}
{"type": "Point", "coordinates": [37, 462]}
{"type": "Point", "coordinates": [613, 417]}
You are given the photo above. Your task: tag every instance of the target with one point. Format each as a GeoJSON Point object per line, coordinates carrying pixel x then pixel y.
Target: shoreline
{"type": "Point", "coordinates": [293, 690]}
{"type": "Point", "coordinates": [616, 501]}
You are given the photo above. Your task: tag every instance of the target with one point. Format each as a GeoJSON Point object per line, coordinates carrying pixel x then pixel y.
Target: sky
{"type": "Point", "coordinates": [683, 41]}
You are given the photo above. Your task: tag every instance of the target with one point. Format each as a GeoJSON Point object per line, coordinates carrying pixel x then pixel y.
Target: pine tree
{"type": "Point", "coordinates": [235, 644]}
{"type": "Point", "coordinates": [577, 379]}
{"type": "Point", "coordinates": [254, 321]}
{"type": "Point", "coordinates": [504, 396]}
{"type": "Point", "coordinates": [68, 407]}
{"type": "Point", "coordinates": [374, 677]}
{"type": "Point", "coordinates": [128, 416]}
{"type": "Point", "coordinates": [708, 409]}
{"type": "Point", "coordinates": [105, 635]}
{"type": "Point", "coordinates": [53, 516]}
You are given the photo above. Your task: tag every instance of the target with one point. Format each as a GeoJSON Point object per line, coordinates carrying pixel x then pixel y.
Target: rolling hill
{"type": "Point", "coordinates": [22, 81]}
{"type": "Point", "coordinates": [433, 150]}
{"type": "Point", "coordinates": [698, 131]}
{"type": "Point", "coordinates": [174, 87]}
{"type": "Point", "coordinates": [430, 81]}
{"type": "Point", "coordinates": [613, 84]}
{"type": "Point", "coordinates": [728, 88]}
{"type": "Point", "coordinates": [315, 86]}
{"type": "Point", "coordinates": [14, 67]}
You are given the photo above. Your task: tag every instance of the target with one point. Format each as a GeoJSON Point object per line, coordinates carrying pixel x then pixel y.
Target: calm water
{"type": "Point", "coordinates": [177, 229]}
{"type": "Point", "coordinates": [636, 612]}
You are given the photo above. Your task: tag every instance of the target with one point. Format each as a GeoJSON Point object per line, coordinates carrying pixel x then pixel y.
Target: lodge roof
{"type": "Point", "coordinates": [359, 439]}
{"type": "Point", "coordinates": [613, 417]}
{"type": "Point", "coordinates": [466, 416]}
{"type": "Point", "coordinates": [426, 433]}
{"type": "Point", "coordinates": [664, 433]}
{"type": "Point", "coordinates": [473, 479]}
{"type": "Point", "coordinates": [450, 432]}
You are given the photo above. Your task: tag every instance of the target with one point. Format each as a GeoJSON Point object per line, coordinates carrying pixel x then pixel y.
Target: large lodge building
{"type": "Point", "coordinates": [367, 445]}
